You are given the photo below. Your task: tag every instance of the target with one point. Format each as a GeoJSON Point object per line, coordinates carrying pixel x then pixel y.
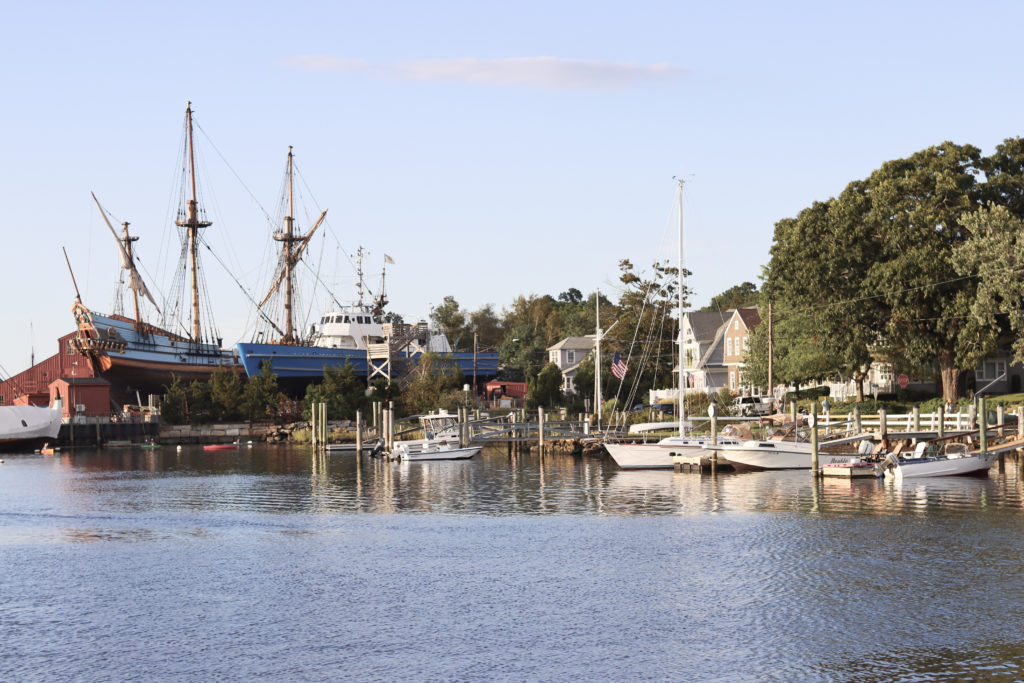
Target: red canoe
{"type": "Point", "coordinates": [221, 447]}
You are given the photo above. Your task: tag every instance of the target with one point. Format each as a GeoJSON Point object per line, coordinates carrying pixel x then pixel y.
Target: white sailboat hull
{"type": "Point", "coordinates": [654, 456]}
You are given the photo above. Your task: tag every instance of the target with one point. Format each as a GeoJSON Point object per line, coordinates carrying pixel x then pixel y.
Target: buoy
{"type": "Point", "coordinates": [179, 447]}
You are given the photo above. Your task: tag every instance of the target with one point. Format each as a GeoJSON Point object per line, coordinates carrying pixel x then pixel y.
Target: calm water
{"type": "Point", "coordinates": [268, 564]}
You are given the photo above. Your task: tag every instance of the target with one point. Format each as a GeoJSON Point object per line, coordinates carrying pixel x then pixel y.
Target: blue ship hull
{"type": "Point", "coordinates": [308, 362]}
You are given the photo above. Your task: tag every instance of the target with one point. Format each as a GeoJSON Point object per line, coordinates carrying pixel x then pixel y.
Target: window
{"type": "Point", "coordinates": [736, 324]}
{"type": "Point", "coordinates": [570, 356]}
{"type": "Point", "coordinates": [728, 346]}
{"type": "Point", "coordinates": [991, 369]}
{"type": "Point", "coordinates": [732, 380]}
{"type": "Point", "coordinates": [554, 357]}
{"type": "Point", "coordinates": [746, 343]}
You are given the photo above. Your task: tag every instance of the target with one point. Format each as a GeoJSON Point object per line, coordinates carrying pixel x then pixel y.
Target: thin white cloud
{"type": "Point", "coordinates": [531, 72]}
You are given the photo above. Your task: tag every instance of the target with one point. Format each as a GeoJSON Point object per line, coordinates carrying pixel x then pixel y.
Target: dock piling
{"type": "Point", "coordinates": [814, 441]}
{"type": "Point", "coordinates": [359, 433]}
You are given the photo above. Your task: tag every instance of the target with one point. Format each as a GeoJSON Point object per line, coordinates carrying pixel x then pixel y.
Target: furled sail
{"type": "Point", "coordinates": [127, 263]}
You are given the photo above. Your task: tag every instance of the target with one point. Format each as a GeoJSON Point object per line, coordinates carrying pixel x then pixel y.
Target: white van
{"type": "Point", "coordinates": [752, 406]}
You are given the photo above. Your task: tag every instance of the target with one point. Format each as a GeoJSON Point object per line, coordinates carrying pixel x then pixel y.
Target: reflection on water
{"type": "Point", "coordinates": [275, 479]}
{"type": "Point", "coordinates": [272, 563]}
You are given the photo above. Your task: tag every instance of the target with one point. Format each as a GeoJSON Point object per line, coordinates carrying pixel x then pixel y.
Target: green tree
{"type": "Point", "coordinates": [995, 255]}
{"type": "Point", "coordinates": [200, 403]}
{"type": "Point", "coordinates": [546, 388]}
{"type": "Point", "coordinates": [870, 274]}
{"type": "Point", "coordinates": [737, 296]}
{"type": "Point", "coordinates": [433, 383]}
{"type": "Point", "coordinates": [261, 396]}
{"type": "Point", "coordinates": [341, 389]}
{"type": "Point", "coordinates": [487, 326]}
{"type": "Point", "coordinates": [173, 404]}
{"type": "Point", "coordinates": [452, 321]}
{"type": "Point", "coordinates": [227, 390]}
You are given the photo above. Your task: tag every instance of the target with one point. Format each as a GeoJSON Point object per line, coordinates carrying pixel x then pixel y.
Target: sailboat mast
{"type": "Point", "coordinates": [682, 373]}
{"type": "Point", "coordinates": [128, 249]}
{"type": "Point", "coordinates": [289, 221]}
{"type": "Point", "coordinates": [598, 400]}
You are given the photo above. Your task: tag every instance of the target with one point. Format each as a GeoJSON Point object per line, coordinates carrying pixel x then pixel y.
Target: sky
{"type": "Point", "coordinates": [490, 149]}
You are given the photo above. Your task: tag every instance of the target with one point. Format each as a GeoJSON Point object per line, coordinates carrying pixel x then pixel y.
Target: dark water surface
{"type": "Point", "coordinates": [269, 564]}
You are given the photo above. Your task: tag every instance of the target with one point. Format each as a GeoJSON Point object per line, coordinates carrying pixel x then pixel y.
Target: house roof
{"type": "Point", "coordinates": [578, 343]}
{"type": "Point", "coordinates": [81, 381]}
{"type": "Point", "coordinates": [705, 324]}
{"type": "Point", "coordinates": [751, 317]}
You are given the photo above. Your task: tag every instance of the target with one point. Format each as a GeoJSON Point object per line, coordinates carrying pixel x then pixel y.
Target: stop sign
{"type": "Point", "coordinates": [903, 381]}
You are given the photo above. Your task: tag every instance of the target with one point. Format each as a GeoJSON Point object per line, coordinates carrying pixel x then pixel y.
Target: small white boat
{"type": "Point", "coordinates": [658, 456]}
{"type": "Point", "coordinates": [441, 442]}
{"type": "Point", "coordinates": [433, 449]}
{"type": "Point", "coordinates": [933, 460]}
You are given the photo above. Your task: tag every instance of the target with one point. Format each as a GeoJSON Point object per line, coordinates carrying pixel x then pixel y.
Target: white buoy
{"type": "Point", "coordinates": [179, 447]}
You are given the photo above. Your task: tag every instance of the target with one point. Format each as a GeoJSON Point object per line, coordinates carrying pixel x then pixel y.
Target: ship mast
{"type": "Point", "coordinates": [288, 239]}
{"type": "Point", "coordinates": [127, 240]}
{"type": "Point", "coordinates": [193, 224]}
{"type": "Point", "coordinates": [294, 247]}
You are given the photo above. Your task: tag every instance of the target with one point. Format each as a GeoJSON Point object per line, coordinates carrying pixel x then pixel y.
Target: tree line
{"type": "Point", "coordinates": [917, 265]}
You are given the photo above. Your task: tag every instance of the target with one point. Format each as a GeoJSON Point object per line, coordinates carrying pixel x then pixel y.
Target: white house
{"type": "Point", "coordinates": [567, 355]}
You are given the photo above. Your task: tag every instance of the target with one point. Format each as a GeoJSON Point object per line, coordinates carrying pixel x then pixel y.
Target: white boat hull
{"type": "Point", "coordinates": [913, 468]}
{"type": "Point", "coordinates": [440, 453]}
{"type": "Point", "coordinates": [26, 425]}
{"type": "Point", "coordinates": [654, 456]}
{"type": "Point", "coordinates": [779, 455]}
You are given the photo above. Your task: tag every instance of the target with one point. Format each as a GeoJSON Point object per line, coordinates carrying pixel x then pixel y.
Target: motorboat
{"type": "Point", "coordinates": [791, 450]}
{"type": "Point", "coordinates": [433, 449]}
{"type": "Point", "coordinates": [930, 459]}
{"type": "Point", "coordinates": [441, 442]}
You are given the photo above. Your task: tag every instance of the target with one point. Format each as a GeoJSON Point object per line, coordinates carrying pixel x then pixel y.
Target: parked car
{"type": "Point", "coordinates": [752, 406]}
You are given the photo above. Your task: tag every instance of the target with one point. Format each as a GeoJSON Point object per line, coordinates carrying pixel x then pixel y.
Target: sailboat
{"type": "Point", "coordinates": [132, 353]}
{"type": "Point", "coordinates": [344, 335]}
{"type": "Point", "coordinates": [659, 455]}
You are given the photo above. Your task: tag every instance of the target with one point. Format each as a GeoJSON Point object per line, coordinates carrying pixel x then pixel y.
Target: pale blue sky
{"type": "Point", "coordinates": [492, 149]}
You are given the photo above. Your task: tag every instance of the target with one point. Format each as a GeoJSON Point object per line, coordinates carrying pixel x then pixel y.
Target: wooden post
{"type": "Point", "coordinates": [982, 436]}
{"type": "Point", "coordinates": [1020, 421]}
{"type": "Point", "coordinates": [312, 424]}
{"type": "Point", "coordinates": [714, 439]}
{"type": "Point", "coordinates": [883, 427]}
{"type": "Point", "coordinates": [857, 428]}
{"type": "Point", "coordinates": [1000, 416]}
{"type": "Point", "coordinates": [359, 433]}
{"type": "Point", "coordinates": [792, 409]}
{"type": "Point", "coordinates": [917, 418]}
{"type": "Point", "coordinates": [972, 416]}
{"type": "Point", "coordinates": [814, 441]}
{"type": "Point", "coordinates": [942, 423]}
{"type": "Point", "coordinates": [540, 428]}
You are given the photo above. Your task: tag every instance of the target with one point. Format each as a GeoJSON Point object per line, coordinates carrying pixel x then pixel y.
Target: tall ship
{"type": "Point", "coordinates": [352, 334]}
{"type": "Point", "coordinates": [139, 356]}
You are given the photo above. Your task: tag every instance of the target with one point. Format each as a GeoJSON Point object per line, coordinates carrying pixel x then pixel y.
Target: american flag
{"type": "Point", "coordinates": [619, 366]}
